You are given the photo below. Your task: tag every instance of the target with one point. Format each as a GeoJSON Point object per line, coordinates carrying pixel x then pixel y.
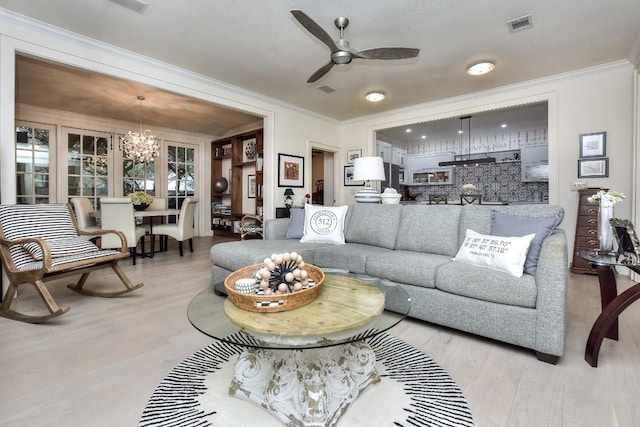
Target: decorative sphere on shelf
{"type": "Point", "coordinates": [221, 185]}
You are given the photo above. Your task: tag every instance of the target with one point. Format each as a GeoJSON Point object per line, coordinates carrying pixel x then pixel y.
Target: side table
{"type": "Point", "coordinates": [606, 325]}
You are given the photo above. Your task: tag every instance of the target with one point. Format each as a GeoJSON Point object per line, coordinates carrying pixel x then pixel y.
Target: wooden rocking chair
{"type": "Point", "coordinates": [41, 242]}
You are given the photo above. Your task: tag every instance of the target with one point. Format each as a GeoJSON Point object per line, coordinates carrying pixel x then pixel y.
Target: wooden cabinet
{"type": "Point", "coordinates": [586, 232]}
{"type": "Point", "coordinates": [239, 159]}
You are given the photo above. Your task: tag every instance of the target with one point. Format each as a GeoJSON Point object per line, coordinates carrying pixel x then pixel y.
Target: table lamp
{"type": "Point", "coordinates": [288, 201]}
{"type": "Point", "coordinates": [368, 169]}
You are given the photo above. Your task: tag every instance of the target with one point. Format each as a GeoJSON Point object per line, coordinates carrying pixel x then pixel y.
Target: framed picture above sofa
{"type": "Point", "coordinates": [290, 170]}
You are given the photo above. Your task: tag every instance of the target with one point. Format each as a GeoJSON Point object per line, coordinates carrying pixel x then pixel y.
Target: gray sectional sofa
{"type": "Point", "coordinates": [413, 246]}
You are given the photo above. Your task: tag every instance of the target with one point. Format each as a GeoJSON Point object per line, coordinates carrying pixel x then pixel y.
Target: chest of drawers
{"type": "Point", "coordinates": [586, 232]}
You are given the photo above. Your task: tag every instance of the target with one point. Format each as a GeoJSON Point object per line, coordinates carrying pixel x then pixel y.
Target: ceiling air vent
{"type": "Point", "coordinates": [520, 24]}
{"type": "Point", "coordinates": [326, 89]}
{"type": "Point", "coordinates": [135, 5]}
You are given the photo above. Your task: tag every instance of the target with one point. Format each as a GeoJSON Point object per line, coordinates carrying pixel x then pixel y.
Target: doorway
{"type": "Point", "coordinates": [322, 177]}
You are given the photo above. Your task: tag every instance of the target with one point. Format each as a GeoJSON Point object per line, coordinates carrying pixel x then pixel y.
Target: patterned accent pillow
{"type": "Point", "coordinates": [61, 247]}
{"type": "Point", "coordinates": [324, 224]}
{"type": "Point", "coordinates": [506, 254]}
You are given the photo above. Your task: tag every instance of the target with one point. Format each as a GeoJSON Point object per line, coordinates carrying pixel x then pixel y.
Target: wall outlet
{"type": "Point", "coordinates": [578, 185]}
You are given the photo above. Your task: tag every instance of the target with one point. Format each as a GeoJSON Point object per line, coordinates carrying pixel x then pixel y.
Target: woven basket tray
{"type": "Point", "coordinates": [272, 303]}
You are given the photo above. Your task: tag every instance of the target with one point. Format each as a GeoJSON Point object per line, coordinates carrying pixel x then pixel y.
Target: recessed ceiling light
{"type": "Point", "coordinates": [480, 68]}
{"type": "Point", "coordinates": [375, 96]}
{"type": "Point", "coordinates": [423, 137]}
{"type": "Point", "coordinates": [408, 130]}
{"type": "Point", "coordinates": [504, 125]}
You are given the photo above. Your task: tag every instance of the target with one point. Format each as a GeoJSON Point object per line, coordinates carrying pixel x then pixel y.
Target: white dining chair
{"type": "Point", "coordinates": [183, 229]}
{"type": "Point", "coordinates": [158, 204]}
{"type": "Point", "coordinates": [83, 208]}
{"type": "Point", "coordinates": [116, 213]}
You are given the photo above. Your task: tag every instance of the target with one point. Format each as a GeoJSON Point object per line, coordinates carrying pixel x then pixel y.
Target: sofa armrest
{"type": "Point", "coordinates": [276, 229]}
{"type": "Point", "coordinates": [551, 279]}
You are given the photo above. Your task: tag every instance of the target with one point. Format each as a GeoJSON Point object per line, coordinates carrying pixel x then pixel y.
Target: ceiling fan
{"type": "Point", "coordinates": [341, 52]}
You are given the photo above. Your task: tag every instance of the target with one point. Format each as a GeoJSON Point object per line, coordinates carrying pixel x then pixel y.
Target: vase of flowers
{"type": "Point", "coordinates": [141, 200]}
{"type": "Point", "coordinates": [605, 200]}
{"type": "Point", "coordinates": [468, 188]}
{"type": "Point", "coordinates": [306, 199]}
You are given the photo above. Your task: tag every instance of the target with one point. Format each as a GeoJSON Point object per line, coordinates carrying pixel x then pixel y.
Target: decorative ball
{"type": "Point", "coordinates": [221, 185]}
{"type": "Point", "coordinates": [283, 273]}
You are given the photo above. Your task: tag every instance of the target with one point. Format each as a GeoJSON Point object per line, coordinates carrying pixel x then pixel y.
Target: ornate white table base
{"type": "Point", "coordinates": [305, 387]}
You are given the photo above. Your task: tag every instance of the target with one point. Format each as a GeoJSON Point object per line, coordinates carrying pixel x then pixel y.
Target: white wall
{"type": "Point", "coordinates": [286, 128]}
{"type": "Point", "coordinates": [590, 100]}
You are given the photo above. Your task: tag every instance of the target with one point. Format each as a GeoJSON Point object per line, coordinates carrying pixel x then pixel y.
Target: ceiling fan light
{"type": "Point", "coordinates": [375, 96]}
{"type": "Point", "coordinates": [481, 68]}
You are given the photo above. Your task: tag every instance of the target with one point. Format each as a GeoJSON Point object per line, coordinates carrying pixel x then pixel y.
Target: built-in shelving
{"type": "Point", "coordinates": [236, 158]}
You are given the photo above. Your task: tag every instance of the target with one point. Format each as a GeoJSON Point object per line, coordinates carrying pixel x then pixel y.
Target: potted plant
{"type": "Point", "coordinates": [141, 200]}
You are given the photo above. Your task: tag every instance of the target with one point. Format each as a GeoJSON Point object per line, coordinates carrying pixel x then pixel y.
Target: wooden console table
{"type": "Point", "coordinates": [606, 325]}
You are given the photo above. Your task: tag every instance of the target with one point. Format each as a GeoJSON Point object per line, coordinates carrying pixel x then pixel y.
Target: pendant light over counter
{"type": "Point", "coordinates": [462, 160]}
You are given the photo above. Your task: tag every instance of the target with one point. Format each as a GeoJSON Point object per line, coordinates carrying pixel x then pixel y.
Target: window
{"type": "Point", "coordinates": [33, 164]}
{"type": "Point", "coordinates": [87, 165]}
{"type": "Point", "coordinates": [180, 173]}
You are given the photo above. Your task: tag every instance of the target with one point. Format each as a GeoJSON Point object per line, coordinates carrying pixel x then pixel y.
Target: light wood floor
{"type": "Point", "coordinates": [99, 363]}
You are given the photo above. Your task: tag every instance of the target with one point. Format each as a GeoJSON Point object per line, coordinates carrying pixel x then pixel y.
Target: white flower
{"type": "Point", "coordinates": [140, 197]}
{"type": "Point", "coordinates": [468, 186]}
{"type": "Point", "coordinates": [611, 196]}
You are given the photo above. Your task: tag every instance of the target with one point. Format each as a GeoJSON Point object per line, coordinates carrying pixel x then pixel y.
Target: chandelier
{"type": "Point", "coordinates": [141, 147]}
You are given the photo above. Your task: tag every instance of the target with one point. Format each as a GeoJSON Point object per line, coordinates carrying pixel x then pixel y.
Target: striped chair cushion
{"type": "Point", "coordinates": [46, 221]}
{"type": "Point", "coordinates": [37, 265]}
{"type": "Point", "coordinates": [61, 247]}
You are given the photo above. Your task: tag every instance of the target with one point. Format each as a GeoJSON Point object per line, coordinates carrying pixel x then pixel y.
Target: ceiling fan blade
{"type": "Point", "coordinates": [321, 72]}
{"type": "Point", "coordinates": [388, 53]}
{"type": "Point", "coordinates": [314, 29]}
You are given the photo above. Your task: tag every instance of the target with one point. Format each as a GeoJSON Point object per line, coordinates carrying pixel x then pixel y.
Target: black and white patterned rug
{"type": "Point", "coordinates": [413, 391]}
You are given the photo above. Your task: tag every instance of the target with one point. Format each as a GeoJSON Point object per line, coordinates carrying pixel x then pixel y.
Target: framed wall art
{"type": "Point", "coordinates": [352, 155]}
{"type": "Point", "coordinates": [249, 150]}
{"type": "Point", "coordinates": [593, 144]}
{"type": "Point", "coordinates": [251, 186]}
{"type": "Point", "coordinates": [348, 177]}
{"type": "Point", "coordinates": [593, 168]}
{"type": "Point", "coordinates": [290, 170]}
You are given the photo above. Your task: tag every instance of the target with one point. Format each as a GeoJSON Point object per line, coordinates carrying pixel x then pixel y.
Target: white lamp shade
{"type": "Point", "coordinates": [368, 169]}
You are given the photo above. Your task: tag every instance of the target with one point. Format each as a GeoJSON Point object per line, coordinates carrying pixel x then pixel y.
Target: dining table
{"type": "Point", "coordinates": [150, 214]}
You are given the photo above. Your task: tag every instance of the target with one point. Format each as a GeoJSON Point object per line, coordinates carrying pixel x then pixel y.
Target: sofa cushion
{"type": "Point", "coordinates": [296, 225]}
{"type": "Point", "coordinates": [506, 254]}
{"type": "Point", "coordinates": [510, 225]}
{"type": "Point", "coordinates": [351, 256]}
{"type": "Point", "coordinates": [429, 228]}
{"type": "Point", "coordinates": [235, 255]}
{"type": "Point", "coordinates": [373, 224]}
{"type": "Point", "coordinates": [324, 224]}
{"type": "Point", "coordinates": [413, 268]}
{"type": "Point", "coordinates": [478, 217]}
{"type": "Point", "coordinates": [487, 285]}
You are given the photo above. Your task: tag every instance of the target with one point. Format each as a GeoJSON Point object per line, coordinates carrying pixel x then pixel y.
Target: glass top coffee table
{"type": "Point", "coordinates": [606, 325]}
{"type": "Point", "coordinates": [310, 369]}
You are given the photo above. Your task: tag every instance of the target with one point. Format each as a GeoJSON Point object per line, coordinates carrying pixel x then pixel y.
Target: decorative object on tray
{"type": "Point", "coordinates": [141, 200]}
{"type": "Point", "coordinates": [390, 196]}
{"type": "Point", "coordinates": [606, 199]}
{"type": "Point", "coordinates": [283, 282]}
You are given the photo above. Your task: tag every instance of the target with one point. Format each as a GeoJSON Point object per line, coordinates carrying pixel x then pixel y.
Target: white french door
{"type": "Point", "coordinates": [88, 158]}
